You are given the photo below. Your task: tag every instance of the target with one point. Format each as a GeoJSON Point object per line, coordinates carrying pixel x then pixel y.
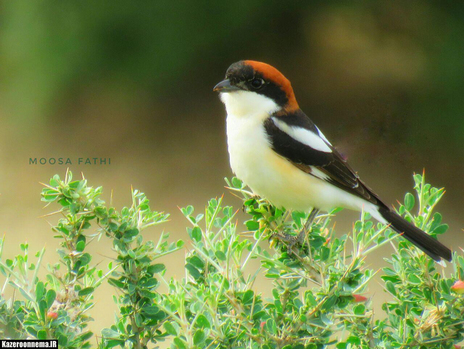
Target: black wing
{"type": "Point", "coordinates": [334, 169]}
{"type": "Point", "coordinates": [306, 158]}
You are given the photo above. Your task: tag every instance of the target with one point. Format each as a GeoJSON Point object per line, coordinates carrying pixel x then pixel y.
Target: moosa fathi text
{"type": "Point", "coordinates": [69, 161]}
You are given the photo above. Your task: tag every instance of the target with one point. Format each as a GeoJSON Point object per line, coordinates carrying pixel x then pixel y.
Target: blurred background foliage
{"type": "Point", "coordinates": [132, 81]}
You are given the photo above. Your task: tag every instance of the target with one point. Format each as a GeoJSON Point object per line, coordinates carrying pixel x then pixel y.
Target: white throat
{"type": "Point", "coordinates": [248, 104]}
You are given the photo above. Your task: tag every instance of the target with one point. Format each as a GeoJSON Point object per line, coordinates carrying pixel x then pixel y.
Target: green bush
{"type": "Point", "coordinates": [317, 287]}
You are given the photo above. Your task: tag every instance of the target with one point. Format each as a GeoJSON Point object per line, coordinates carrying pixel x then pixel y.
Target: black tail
{"type": "Point", "coordinates": [422, 240]}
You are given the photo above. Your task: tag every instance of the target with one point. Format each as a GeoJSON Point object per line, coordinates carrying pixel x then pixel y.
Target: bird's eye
{"type": "Point", "coordinates": [257, 83]}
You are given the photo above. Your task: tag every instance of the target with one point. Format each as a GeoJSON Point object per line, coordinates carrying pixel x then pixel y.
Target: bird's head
{"type": "Point", "coordinates": [252, 87]}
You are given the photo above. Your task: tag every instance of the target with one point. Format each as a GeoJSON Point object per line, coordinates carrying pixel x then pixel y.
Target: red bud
{"type": "Point", "coordinates": [458, 287]}
{"type": "Point", "coordinates": [52, 315]}
{"type": "Point", "coordinates": [358, 298]}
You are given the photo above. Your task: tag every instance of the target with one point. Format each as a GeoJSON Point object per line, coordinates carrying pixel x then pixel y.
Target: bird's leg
{"type": "Point", "coordinates": [299, 239]}
{"type": "Point", "coordinates": [307, 226]}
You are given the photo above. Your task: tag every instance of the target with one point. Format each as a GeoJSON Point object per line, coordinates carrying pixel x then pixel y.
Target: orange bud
{"type": "Point", "coordinates": [52, 315]}
{"type": "Point", "coordinates": [358, 298]}
{"type": "Point", "coordinates": [458, 287]}
{"type": "Point", "coordinates": [261, 325]}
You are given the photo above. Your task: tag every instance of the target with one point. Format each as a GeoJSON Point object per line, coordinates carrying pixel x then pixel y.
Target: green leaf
{"type": "Point", "coordinates": [116, 283]}
{"type": "Point", "coordinates": [149, 283]}
{"type": "Point", "coordinates": [401, 210]}
{"type": "Point", "coordinates": [252, 225]}
{"type": "Point", "coordinates": [42, 334]}
{"type": "Point", "coordinates": [62, 340]}
{"type": "Point", "coordinates": [197, 262]}
{"type": "Point", "coordinates": [270, 325]}
{"type": "Point", "coordinates": [436, 220]}
{"type": "Point", "coordinates": [131, 233]}
{"type": "Point", "coordinates": [31, 331]}
{"type": "Point", "coordinates": [85, 259]}
{"type": "Point", "coordinates": [310, 299]}
{"type": "Point", "coordinates": [180, 344]}
{"type": "Point", "coordinates": [390, 287]}
{"type": "Point", "coordinates": [248, 297]}
{"type": "Point", "coordinates": [359, 309]}
{"type": "Point", "coordinates": [220, 255]}
{"type": "Point", "coordinates": [150, 309]}
{"type": "Point", "coordinates": [55, 181]}
{"type": "Point", "coordinates": [86, 291]}
{"type": "Point", "coordinates": [85, 336]}
{"type": "Point", "coordinates": [39, 291]}
{"type": "Point", "coordinates": [156, 268]}
{"type": "Point", "coordinates": [298, 217]}
{"type": "Point", "coordinates": [196, 234]}
{"type": "Point", "coordinates": [409, 201]}
{"type": "Point", "coordinates": [113, 227]}
{"type": "Point", "coordinates": [113, 342]}
{"type": "Point", "coordinates": [80, 246]}
{"type": "Point", "coordinates": [50, 298]}
{"type": "Point", "coordinates": [237, 183]}
{"type": "Point", "coordinates": [109, 333]}
{"type": "Point", "coordinates": [329, 302]}
{"type": "Point", "coordinates": [170, 328]}
{"type": "Point", "coordinates": [24, 293]}
{"type": "Point", "coordinates": [203, 322]}
{"type": "Point", "coordinates": [42, 308]}
{"type": "Point", "coordinates": [193, 271]}
{"type": "Point", "coordinates": [354, 340]}
{"type": "Point", "coordinates": [187, 211]}
{"type": "Point", "coordinates": [199, 337]}
{"type": "Point", "coordinates": [414, 279]}
{"type": "Point", "coordinates": [441, 229]}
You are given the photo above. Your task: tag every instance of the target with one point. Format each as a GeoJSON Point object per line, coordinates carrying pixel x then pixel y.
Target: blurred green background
{"type": "Point", "coordinates": [132, 81]}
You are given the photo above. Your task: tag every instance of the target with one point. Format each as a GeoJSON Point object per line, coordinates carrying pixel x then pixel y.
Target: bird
{"type": "Point", "coordinates": [278, 151]}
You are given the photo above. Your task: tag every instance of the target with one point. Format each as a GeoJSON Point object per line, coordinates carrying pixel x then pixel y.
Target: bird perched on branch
{"type": "Point", "coordinates": [282, 155]}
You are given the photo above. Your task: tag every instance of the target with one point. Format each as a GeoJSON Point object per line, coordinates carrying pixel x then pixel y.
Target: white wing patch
{"type": "Point", "coordinates": [322, 136]}
{"type": "Point", "coordinates": [304, 136]}
{"type": "Point", "coordinates": [319, 174]}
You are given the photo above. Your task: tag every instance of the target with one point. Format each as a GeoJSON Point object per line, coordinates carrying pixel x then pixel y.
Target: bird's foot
{"type": "Point", "coordinates": [291, 241]}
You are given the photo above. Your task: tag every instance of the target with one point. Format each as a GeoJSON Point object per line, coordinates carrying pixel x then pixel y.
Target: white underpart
{"type": "Point", "coordinates": [304, 136]}
{"type": "Point", "coordinates": [269, 174]}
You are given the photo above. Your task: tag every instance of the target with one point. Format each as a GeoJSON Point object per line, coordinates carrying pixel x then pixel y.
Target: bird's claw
{"type": "Point", "coordinates": [292, 241]}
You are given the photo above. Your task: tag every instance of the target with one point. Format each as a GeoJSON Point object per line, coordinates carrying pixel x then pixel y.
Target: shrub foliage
{"type": "Point", "coordinates": [315, 292]}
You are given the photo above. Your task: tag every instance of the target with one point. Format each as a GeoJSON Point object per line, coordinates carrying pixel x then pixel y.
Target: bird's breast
{"type": "Point", "coordinates": [248, 145]}
{"type": "Point", "coordinates": [274, 177]}
{"type": "Point", "coordinates": [264, 171]}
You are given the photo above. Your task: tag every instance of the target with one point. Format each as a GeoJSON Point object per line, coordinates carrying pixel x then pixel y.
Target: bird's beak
{"type": "Point", "coordinates": [225, 86]}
